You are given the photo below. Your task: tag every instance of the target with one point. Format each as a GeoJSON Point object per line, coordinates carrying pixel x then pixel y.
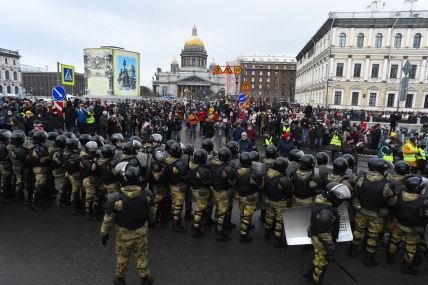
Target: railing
{"type": "Point", "coordinates": [379, 14]}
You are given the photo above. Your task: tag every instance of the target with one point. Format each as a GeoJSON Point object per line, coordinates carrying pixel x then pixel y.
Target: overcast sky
{"type": "Point", "coordinates": [47, 31]}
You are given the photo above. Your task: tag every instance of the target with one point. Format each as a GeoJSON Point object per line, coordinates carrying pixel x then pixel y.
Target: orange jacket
{"type": "Point", "coordinates": [409, 149]}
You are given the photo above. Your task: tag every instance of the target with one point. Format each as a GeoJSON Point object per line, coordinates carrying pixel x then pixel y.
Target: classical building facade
{"type": "Point", "coordinates": [39, 83]}
{"type": "Point", "coordinates": [10, 72]}
{"type": "Point", "coordinates": [355, 60]}
{"type": "Point", "coordinates": [191, 77]}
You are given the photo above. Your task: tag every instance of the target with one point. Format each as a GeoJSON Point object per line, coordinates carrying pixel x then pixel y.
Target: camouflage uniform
{"type": "Point", "coordinates": [18, 155]}
{"type": "Point", "coordinates": [89, 181]}
{"type": "Point", "coordinates": [305, 187]}
{"type": "Point", "coordinates": [5, 173]}
{"type": "Point", "coordinates": [199, 185]}
{"type": "Point", "coordinates": [39, 156]}
{"type": "Point", "coordinates": [177, 174]}
{"type": "Point", "coordinates": [105, 172]}
{"type": "Point", "coordinates": [57, 164]}
{"type": "Point", "coordinates": [158, 185]}
{"type": "Point", "coordinates": [72, 174]}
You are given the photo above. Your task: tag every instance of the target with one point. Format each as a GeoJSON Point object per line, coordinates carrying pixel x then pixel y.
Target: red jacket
{"type": "Point", "coordinates": [201, 116]}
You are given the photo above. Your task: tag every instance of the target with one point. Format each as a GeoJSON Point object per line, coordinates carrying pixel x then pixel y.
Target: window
{"type": "Point", "coordinates": [378, 40]}
{"type": "Point", "coordinates": [394, 71]}
{"type": "Point", "coordinates": [252, 79]}
{"type": "Point", "coordinates": [260, 86]}
{"type": "Point", "coordinates": [357, 70]}
{"type": "Point", "coordinates": [261, 73]}
{"type": "Point", "coordinates": [268, 74]}
{"type": "Point", "coordinates": [268, 79]}
{"type": "Point", "coordinates": [16, 90]}
{"type": "Point", "coordinates": [391, 99]}
{"type": "Point", "coordinates": [375, 70]}
{"type": "Point", "coordinates": [417, 41]}
{"type": "Point", "coordinates": [338, 98]}
{"type": "Point", "coordinates": [412, 73]}
{"type": "Point", "coordinates": [253, 72]}
{"type": "Point", "coordinates": [15, 75]}
{"type": "Point", "coordinates": [14, 62]}
{"type": "Point", "coordinates": [397, 40]}
{"type": "Point", "coordinates": [339, 69]}
{"type": "Point", "coordinates": [5, 61]}
{"type": "Point", "coordinates": [8, 90]}
{"type": "Point", "coordinates": [360, 40]}
{"type": "Point", "coordinates": [354, 99]}
{"type": "Point", "coordinates": [342, 40]}
{"type": "Point", "coordinates": [164, 90]}
{"type": "Point", "coordinates": [372, 99]}
{"type": "Point", "coordinates": [260, 79]}
{"type": "Point", "coordinates": [409, 101]}
{"type": "Point", "coordinates": [425, 103]}
{"type": "Point", "coordinates": [252, 86]}
{"type": "Point", "coordinates": [6, 75]}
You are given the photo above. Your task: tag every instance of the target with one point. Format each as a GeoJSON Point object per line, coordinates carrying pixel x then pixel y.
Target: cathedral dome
{"type": "Point", "coordinates": [194, 40]}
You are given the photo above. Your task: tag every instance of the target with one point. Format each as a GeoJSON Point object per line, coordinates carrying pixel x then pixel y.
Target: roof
{"type": "Point", "coordinates": [10, 53]}
{"type": "Point", "coordinates": [265, 57]}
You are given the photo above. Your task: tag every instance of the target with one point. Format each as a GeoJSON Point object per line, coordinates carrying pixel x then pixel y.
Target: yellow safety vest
{"type": "Point", "coordinates": [268, 141]}
{"type": "Point", "coordinates": [335, 140]}
{"type": "Point", "coordinates": [410, 157]}
{"type": "Point", "coordinates": [388, 157]}
{"type": "Point", "coordinates": [90, 119]}
{"type": "Point", "coordinates": [286, 129]}
{"type": "Point", "coordinates": [422, 154]}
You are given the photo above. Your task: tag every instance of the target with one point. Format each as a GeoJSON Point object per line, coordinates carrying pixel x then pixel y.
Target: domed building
{"type": "Point", "coordinates": [191, 78]}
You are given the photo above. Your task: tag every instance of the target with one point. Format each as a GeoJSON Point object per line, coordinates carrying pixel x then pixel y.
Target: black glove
{"type": "Point", "coordinates": [104, 239]}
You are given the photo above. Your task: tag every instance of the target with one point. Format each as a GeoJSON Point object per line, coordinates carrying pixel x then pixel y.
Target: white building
{"type": "Point", "coordinates": [192, 78]}
{"type": "Point", "coordinates": [10, 72]}
{"type": "Point", "coordinates": [355, 61]}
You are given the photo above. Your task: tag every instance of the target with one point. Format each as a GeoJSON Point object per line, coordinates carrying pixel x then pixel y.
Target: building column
{"type": "Point", "coordinates": [367, 69]}
{"type": "Point", "coordinates": [384, 69]}
{"type": "Point", "coordinates": [423, 70]}
{"type": "Point", "coordinates": [348, 69]}
{"type": "Point", "coordinates": [370, 38]}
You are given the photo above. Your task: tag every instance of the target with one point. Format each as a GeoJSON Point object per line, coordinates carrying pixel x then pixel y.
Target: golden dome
{"type": "Point", "coordinates": [194, 40]}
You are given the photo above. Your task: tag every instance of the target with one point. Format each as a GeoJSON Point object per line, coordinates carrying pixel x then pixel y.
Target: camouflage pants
{"type": "Point", "coordinates": [411, 240]}
{"type": "Point", "coordinates": [247, 207]}
{"type": "Point", "coordinates": [222, 206]}
{"type": "Point", "coordinates": [275, 211]}
{"type": "Point", "coordinates": [6, 180]}
{"type": "Point", "coordinates": [131, 241]}
{"type": "Point", "coordinates": [374, 226]}
{"type": "Point", "coordinates": [75, 187]}
{"type": "Point", "coordinates": [41, 179]}
{"type": "Point", "coordinates": [110, 188]}
{"type": "Point", "coordinates": [90, 190]}
{"type": "Point", "coordinates": [202, 197]}
{"type": "Point", "coordinates": [302, 202]}
{"type": "Point", "coordinates": [177, 196]}
{"type": "Point", "coordinates": [319, 261]}
{"type": "Point", "coordinates": [19, 179]}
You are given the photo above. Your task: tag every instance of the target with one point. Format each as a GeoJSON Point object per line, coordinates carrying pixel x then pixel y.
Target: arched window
{"type": "Point", "coordinates": [164, 90]}
{"type": "Point", "coordinates": [16, 90]}
{"type": "Point", "coordinates": [397, 40]}
{"type": "Point", "coordinates": [417, 41]}
{"type": "Point", "coordinates": [378, 42]}
{"type": "Point", "coordinates": [360, 40]}
{"type": "Point", "coordinates": [15, 75]}
{"type": "Point", "coordinates": [6, 74]}
{"type": "Point", "coordinates": [342, 40]}
{"type": "Point", "coordinates": [8, 90]}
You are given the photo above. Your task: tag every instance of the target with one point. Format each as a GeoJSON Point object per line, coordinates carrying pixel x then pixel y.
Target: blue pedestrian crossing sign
{"type": "Point", "coordinates": [58, 93]}
{"type": "Point", "coordinates": [67, 74]}
{"type": "Point", "coordinates": [242, 98]}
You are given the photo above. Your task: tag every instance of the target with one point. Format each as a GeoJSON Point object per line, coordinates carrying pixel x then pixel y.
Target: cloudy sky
{"type": "Point", "coordinates": [47, 31]}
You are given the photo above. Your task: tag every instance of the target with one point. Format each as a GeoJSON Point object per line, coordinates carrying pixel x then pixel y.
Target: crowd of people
{"type": "Point", "coordinates": [125, 162]}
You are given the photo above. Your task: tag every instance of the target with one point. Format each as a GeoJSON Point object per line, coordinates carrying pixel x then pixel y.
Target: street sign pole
{"type": "Point", "coordinates": [58, 68]}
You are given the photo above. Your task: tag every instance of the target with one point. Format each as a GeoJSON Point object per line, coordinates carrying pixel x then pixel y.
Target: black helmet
{"type": "Point", "coordinates": [224, 154]}
{"type": "Point", "coordinates": [378, 164]}
{"type": "Point", "coordinates": [39, 136]}
{"type": "Point", "coordinates": [402, 167]}
{"type": "Point", "coordinates": [322, 158]}
{"type": "Point", "coordinates": [91, 146]}
{"type": "Point", "coordinates": [336, 193]}
{"type": "Point", "coordinates": [107, 151]}
{"type": "Point", "coordinates": [99, 140]}
{"type": "Point", "coordinates": [200, 156]}
{"type": "Point", "coordinates": [17, 138]}
{"type": "Point", "coordinates": [271, 151]}
{"type": "Point", "coordinates": [168, 145]}
{"type": "Point", "coordinates": [159, 155]}
{"type": "Point", "coordinates": [5, 135]}
{"type": "Point", "coordinates": [131, 147]}
{"type": "Point", "coordinates": [52, 136]}
{"type": "Point", "coordinates": [69, 135]}
{"type": "Point", "coordinates": [129, 174]}
{"type": "Point", "coordinates": [280, 164]}
{"type": "Point", "coordinates": [208, 145]}
{"type": "Point", "coordinates": [84, 139]}
{"type": "Point", "coordinates": [295, 155]}
{"type": "Point", "coordinates": [233, 147]}
{"type": "Point", "coordinates": [32, 132]}
{"type": "Point", "coordinates": [156, 138]}
{"type": "Point", "coordinates": [60, 141]}
{"type": "Point", "coordinates": [73, 144]}
{"type": "Point", "coordinates": [175, 150]}
{"type": "Point", "coordinates": [188, 149]}
{"type": "Point", "coordinates": [350, 160]}
{"type": "Point", "coordinates": [307, 162]}
{"type": "Point", "coordinates": [414, 184]}
{"type": "Point", "coordinates": [255, 156]}
{"type": "Point", "coordinates": [245, 159]}
{"type": "Point", "coordinates": [136, 138]}
{"type": "Point", "coordinates": [116, 138]}
{"type": "Point", "coordinates": [340, 165]}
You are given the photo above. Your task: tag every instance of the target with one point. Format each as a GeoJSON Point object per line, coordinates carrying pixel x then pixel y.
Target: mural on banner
{"type": "Point", "coordinates": [98, 71]}
{"type": "Point", "coordinates": [126, 73]}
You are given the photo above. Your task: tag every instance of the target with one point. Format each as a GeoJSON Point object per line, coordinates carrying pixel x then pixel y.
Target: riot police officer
{"type": "Point", "coordinates": [105, 166]}
{"type": "Point", "coordinates": [177, 173]}
{"type": "Point", "coordinates": [88, 159]}
{"type": "Point", "coordinates": [72, 173]}
{"type": "Point", "coordinates": [339, 175]}
{"type": "Point", "coordinates": [18, 155]}
{"type": "Point", "coordinates": [116, 141]}
{"type": "Point", "coordinates": [304, 182]}
{"type": "Point", "coordinates": [322, 169]}
{"type": "Point", "coordinates": [271, 153]}
{"type": "Point", "coordinates": [324, 228]}
{"type": "Point", "coordinates": [159, 187]}
{"type": "Point", "coordinates": [131, 209]}
{"type": "Point", "coordinates": [398, 175]}
{"type": "Point", "coordinates": [294, 157]}
{"type": "Point", "coordinates": [278, 189]}
{"type": "Point", "coordinates": [234, 163]}
{"type": "Point", "coordinates": [411, 214]}
{"type": "Point", "coordinates": [5, 167]}
{"type": "Point", "coordinates": [374, 196]}
{"type": "Point", "coordinates": [199, 181]}
{"type": "Point", "coordinates": [39, 156]}
{"type": "Point", "coordinates": [248, 186]}
{"type": "Point", "coordinates": [155, 142]}
{"type": "Point", "coordinates": [56, 154]}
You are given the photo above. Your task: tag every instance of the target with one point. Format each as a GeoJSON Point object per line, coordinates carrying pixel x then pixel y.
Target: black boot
{"type": "Point", "coordinates": [408, 268]}
{"type": "Point", "coordinates": [119, 280]}
{"type": "Point", "coordinates": [280, 243]}
{"type": "Point", "coordinates": [308, 272]}
{"type": "Point", "coordinates": [177, 227]}
{"type": "Point", "coordinates": [268, 233]}
{"type": "Point", "coordinates": [148, 280]}
{"type": "Point", "coordinates": [262, 217]}
{"type": "Point", "coordinates": [389, 257]}
{"type": "Point", "coordinates": [91, 214]}
{"type": "Point", "coordinates": [245, 238]}
{"type": "Point", "coordinates": [36, 203]}
{"type": "Point", "coordinates": [369, 260]}
{"type": "Point", "coordinates": [197, 233]}
{"type": "Point", "coordinates": [352, 249]}
{"type": "Point", "coordinates": [221, 236]}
